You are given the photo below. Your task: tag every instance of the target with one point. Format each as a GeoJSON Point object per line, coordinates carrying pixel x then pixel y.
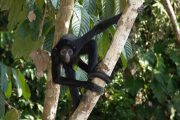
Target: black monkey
{"type": "Point", "coordinates": [67, 53]}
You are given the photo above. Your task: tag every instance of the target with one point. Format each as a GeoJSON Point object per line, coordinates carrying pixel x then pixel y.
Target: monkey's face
{"type": "Point", "coordinates": [66, 53]}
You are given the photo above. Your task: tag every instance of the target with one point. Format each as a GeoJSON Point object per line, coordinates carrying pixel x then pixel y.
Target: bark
{"type": "Point", "coordinates": [107, 65]}
{"type": "Point", "coordinates": [53, 90]}
{"type": "Point", "coordinates": [167, 5]}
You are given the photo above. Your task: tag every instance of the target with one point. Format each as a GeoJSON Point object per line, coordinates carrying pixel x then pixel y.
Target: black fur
{"type": "Point", "coordinates": [80, 45]}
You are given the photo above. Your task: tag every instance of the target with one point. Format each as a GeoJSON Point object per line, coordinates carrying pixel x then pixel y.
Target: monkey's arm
{"type": "Point", "coordinates": [55, 65]}
{"type": "Point", "coordinates": [76, 83]}
{"type": "Point", "coordinates": [83, 65]}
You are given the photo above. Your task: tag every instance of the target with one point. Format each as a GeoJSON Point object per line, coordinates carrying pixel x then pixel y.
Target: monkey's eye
{"type": "Point", "coordinates": [70, 51]}
{"type": "Point", "coordinates": [63, 51]}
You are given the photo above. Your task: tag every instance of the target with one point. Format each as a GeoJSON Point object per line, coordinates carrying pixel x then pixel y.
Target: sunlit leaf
{"type": "Point", "coordinates": [17, 81]}
{"type": "Point", "coordinates": [25, 88]}
{"type": "Point", "coordinates": [8, 92]}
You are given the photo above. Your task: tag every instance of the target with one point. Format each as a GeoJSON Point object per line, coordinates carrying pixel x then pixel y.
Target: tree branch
{"type": "Point", "coordinates": [167, 5]}
{"type": "Point", "coordinates": [107, 65]}
{"type": "Point", "coordinates": [53, 90]}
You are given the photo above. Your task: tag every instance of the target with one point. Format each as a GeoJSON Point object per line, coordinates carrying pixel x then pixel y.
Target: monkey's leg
{"type": "Point", "coordinates": [70, 73]}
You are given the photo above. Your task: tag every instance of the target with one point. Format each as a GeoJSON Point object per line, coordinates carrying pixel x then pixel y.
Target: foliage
{"type": "Point", "coordinates": [146, 78]}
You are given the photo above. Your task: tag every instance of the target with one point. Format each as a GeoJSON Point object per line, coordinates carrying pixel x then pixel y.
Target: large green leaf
{"type": "Point", "coordinates": [26, 36]}
{"type": "Point", "coordinates": [119, 5]}
{"type": "Point", "coordinates": [134, 85]}
{"type": "Point", "coordinates": [48, 40]}
{"type": "Point", "coordinates": [175, 56]}
{"type": "Point", "coordinates": [24, 44]}
{"type": "Point", "coordinates": [22, 87]}
{"type": "Point", "coordinates": [25, 88]}
{"type": "Point", "coordinates": [8, 92]}
{"type": "Point", "coordinates": [80, 21]}
{"type": "Point", "coordinates": [108, 8]}
{"type": "Point", "coordinates": [16, 13]}
{"type": "Point", "coordinates": [158, 91]}
{"type": "Point", "coordinates": [103, 44]}
{"type": "Point", "coordinates": [90, 6]}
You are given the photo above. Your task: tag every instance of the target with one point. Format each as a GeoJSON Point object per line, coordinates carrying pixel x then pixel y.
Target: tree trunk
{"type": "Point", "coordinates": [53, 90]}
{"type": "Point", "coordinates": [107, 65]}
{"type": "Point", "coordinates": [172, 16]}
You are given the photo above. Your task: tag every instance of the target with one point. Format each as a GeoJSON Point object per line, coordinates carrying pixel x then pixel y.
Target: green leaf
{"type": "Point", "coordinates": [8, 92]}
{"type": "Point", "coordinates": [178, 70]}
{"type": "Point", "coordinates": [18, 84]}
{"type": "Point", "coordinates": [161, 78]}
{"type": "Point", "coordinates": [171, 85]}
{"type": "Point", "coordinates": [25, 88]}
{"type": "Point", "coordinates": [119, 5]}
{"type": "Point", "coordinates": [48, 40]}
{"type": "Point", "coordinates": [5, 4]}
{"type": "Point", "coordinates": [160, 66]}
{"type": "Point", "coordinates": [22, 87]}
{"type": "Point", "coordinates": [15, 13]}
{"type": "Point", "coordinates": [2, 105]}
{"type": "Point", "coordinates": [39, 4]}
{"type": "Point", "coordinates": [108, 8]}
{"type": "Point", "coordinates": [80, 21]}
{"type": "Point", "coordinates": [134, 85]}
{"type": "Point", "coordinates": [128, 50]}
{"type": "Point", "coordinates": [4, 77]}
{"type": "Point", "coordinates": [176, 102]}
{"type": "Point", "coordinates": [12, 115]}
{"type": "Point", "coordinates": [90, 6]}
{"type": "Point", "coordinates": [123, 60]}
{"type": "Point", "coordinates": [158, 92]}
{"type": "Point", "coordinates": [175, 56]}
{"type": "Point", "coordinates": [103, 44]}
{"type": "Point", "coordinates": [23, 47]}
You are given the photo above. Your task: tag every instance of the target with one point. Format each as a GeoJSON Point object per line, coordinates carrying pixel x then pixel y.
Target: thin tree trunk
{"type": "Point", "coordinates": [107, 65]}
{"type": "Point", "coordinates": [172, 16]}
{"type": "Point", "coordinates": [53, 90]}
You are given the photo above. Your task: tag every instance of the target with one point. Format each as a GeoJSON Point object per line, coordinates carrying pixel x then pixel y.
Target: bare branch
{"type": "Point", "coordinates": [53, 90]}
{"type": "Point", "coordinates": [107, 65]}
{"type": "Point", "coordinates": [172, 17]}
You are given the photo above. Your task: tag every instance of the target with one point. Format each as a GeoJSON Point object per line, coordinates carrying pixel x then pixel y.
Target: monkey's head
{"type": "Point", "coordinates": [66, 53]}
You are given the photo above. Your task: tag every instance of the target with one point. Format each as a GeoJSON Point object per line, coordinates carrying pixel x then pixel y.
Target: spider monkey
{"type": "Point", "coordinates": [67, 53]}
